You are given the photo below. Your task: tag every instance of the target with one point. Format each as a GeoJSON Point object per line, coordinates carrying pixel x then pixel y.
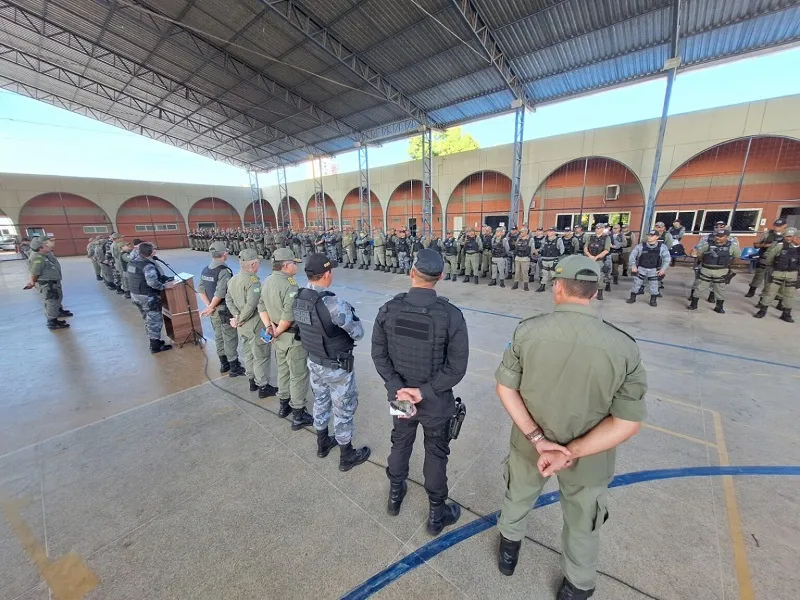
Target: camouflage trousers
{"type": "Point", "coordinates": [150, 308]}
{"type": "Point", "coordinates": [123, 276]}
{"type": "Point", "coordinates": [108, 273]}
{"type": "Point", "coordinates": [334, 392]}
{"type": "Point", "coordinates": [117, 277]}
{"type": "Point", "coordinates": [402, 261]}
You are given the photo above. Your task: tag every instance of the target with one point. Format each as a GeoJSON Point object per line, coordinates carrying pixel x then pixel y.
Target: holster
{"type": "Point", "coordinates": [224, 313]}
{"type": "Point", "coordinates": [455, 422]}
{"type": "Point", "coordinates": [154, 303]}
{"type": "Point", "coordinates": [50, 292]}
{"type": "Point", "coordinates": [346, 361]}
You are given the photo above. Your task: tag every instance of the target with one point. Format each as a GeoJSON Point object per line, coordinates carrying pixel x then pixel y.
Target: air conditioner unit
{"type": "Point", "coordinates": [612, 192]}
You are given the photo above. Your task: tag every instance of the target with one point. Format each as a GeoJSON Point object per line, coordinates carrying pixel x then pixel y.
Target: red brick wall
{"type": "Point", "coordinates": [298, 222]}
{"type": "Point", "coordinates": [214, 210]}
{"type": "Point", "coordinates": [351, 209]}
{"type": "Point", "coordinates": [152, 210]}
{"type": "Point", "coordinates": [330, 212]}
{"type": "Point", "coordinates": [406, 203]}
{"type": "Point", "coordinates": [64, 216]}
{"type": "Point", "coordinates": [269, 214]}
{"type": "Point", "coordinates": [482, 194]}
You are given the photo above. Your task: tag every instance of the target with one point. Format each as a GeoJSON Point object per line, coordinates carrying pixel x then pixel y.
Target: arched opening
{"type": "Point", "coordinates": [351, 212]}
{"type": "Point", "coordinates": [251, 220]}
{"type": "Point", "coordinates": [405, 208]}
{"type": "Point", "coordinates": [586, 191]}
{"type": "Point", "coordinates": [482, 198]}
{"type": "Point", "coordinates": [747, 183]}
{"type": "Point", "coordinates": [314, 213]}
{"type": "Point", "coordinates": [210, 213]}
{"type": "Point", "coordinates": [152, 219]}
{"type": "Point", "coordinates": [295, 218]}
{"type": "Point", "coordinates": [70, 218]}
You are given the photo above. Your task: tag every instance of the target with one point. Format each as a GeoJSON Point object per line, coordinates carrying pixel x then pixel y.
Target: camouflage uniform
{"type": "Point", "coordinates": [150, 306]}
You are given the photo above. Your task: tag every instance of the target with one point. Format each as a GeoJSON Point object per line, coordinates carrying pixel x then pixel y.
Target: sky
{"type": "Point", "coordinates": [38, 138]}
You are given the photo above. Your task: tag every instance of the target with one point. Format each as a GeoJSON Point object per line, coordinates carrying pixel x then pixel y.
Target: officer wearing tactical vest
{"type": "Point", "coordinates": [649, 262]}
{"type": "Point", "coordinates": [473, 249]}
{"type": "Point", "coordinates": [551, 249]}
{"type": "Point", "coordinates": [450, 249]}
{"type": "Point", "coordinates": [598, 249]}
{"type": "Point", "coordinates": [499, 252]}
{"type": "Point", "coordinates": [570, 242]}
{"type": "Point", "coordinates": [213, 289]}
{"type": "Point", "coordinates": [403, 252]}
{"type": "Point", "coordinates": [782, 262]}
{"type": "Point", "coordinates": [715, 258]}
{"type": "Point", "coordinates": [574, 386]}
{"type": "Point", "coordinates": [420, 347]}
{"type": "Point", "coordinates": [486, 245]}
{"type": "Point", "coordinates": [242, 298]}
{"type": "Point", "coordinates": [146, 282]}
{"type": "Point", "coordinates": [329, 329]}
{"type": "Point", "coordinates": [45, 274]}
{"type": "Point", "coordinates": [275, 307]}
{"type": "Point", "coordinates": [763, 244]}
{"type": "Point", "coordinates": [522, 260]}
{"type": "Point", "coordinates": [512, 238]}
{"type": "Point", "coordinates": [677, 231]}
{"type": "Point", "coordinates": [580, 237]}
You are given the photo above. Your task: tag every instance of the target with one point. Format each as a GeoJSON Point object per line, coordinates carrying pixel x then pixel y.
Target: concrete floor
{"type": "Point", "coordinates": [124, 475]}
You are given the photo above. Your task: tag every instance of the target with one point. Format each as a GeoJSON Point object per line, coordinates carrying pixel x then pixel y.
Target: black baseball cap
{"type": "Point", "coordinates": [429, 262]}
{"type": "Point", "coordinates": [319, 264]}
{"type": "Point", "coordinates": [779, 222]}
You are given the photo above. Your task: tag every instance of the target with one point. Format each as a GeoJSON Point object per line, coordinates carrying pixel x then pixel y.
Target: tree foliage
{"type": "Point", "coordinates": [451, 141]}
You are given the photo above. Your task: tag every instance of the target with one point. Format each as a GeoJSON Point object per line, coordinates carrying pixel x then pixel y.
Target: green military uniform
{"type": "Point", "coordinates": [715, 259]}
{"type": "Point", "coordinates": [349, 247]}
{"type": "Point", "coordinates": [379, 245]}
{"type": "Point", "coordinates": [95, 263]}
{"type": "Point", "coordinates": [782, 262]}
{"type": "Point", "coordinates": [572, 370]}
{"type": "Point", "coordinates": [277, 299]}
{"type": "Point", "coordinates": [225, 336]}
{"type": "Point", "coordinates": [47, 269]}
{"type": "Point", "coordinates": [242, 298]}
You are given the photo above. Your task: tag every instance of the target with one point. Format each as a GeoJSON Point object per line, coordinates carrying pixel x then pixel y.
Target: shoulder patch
{"type": "Point", "coordinates": [292, 281]}
{"type": "Point", "coordinates": [37, 260]}
{"type": "Point", "coordinates": [254, 279]}
{"type": "Point", "coordinates": [620, 330]}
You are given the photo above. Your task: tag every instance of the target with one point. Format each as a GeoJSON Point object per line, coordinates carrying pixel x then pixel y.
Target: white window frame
{"type": "Point", "coordinates": [759, 211]}
{"type": "Point", "coordinates": [156, 227]}
{"type": "Point", "coordinates": [712, 209]}
{"type": "Point", "coordinates": [207, 225]}
{"type": "Point", "coordinates": [95, 229]}
{"type": "Point", "coordinates": [677, 212]}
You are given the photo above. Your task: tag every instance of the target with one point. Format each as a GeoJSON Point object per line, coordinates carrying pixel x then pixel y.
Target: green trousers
{"type": "Point", "coordinates": [781, 285]}
{"type": "Point", "coordinates": [451, 264]}
{"type": "Point", "coordinates": [226, 337]}
{"type": "Point", "coordinates": [96, 266]}
{"type": "Point", "coordinates": [256, 354]}
{"type": "Point", "coordinates": [472, 264]}
{"type": "Point", "coordinates": [710, 279]}
{"type": "Point", "coordinates": [292, 370]}
{"type": "Point", "coordinates": [522, 266]}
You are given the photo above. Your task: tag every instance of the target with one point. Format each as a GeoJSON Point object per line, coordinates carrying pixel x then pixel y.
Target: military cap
{"type": "Point", "coordinates": [283, 255]}
{"type": "Point", "coordinates": [38, 242]}
{"type": "Point", "coordinates": [577, 267]}
{"type": "Point", "coordinates": [319, 264]}
{"type": "Point", "coordinates": [653, 232]}
{"type": "Point", "coordinates": [599, 225]}
{"type": "Point", "coordinates": [218, 247]}
{"type": "Point", "coordinates": [779, 222]}
{"type": "Point", "coordinates": [660, 224]}
{"type": "Point", "coordinates": [429, 262]}
{"type": "Point", "coordinates": [790, 232]}
{"type": "Point", "coordinates": [551, 228]}
{"type": "Point", "coordinates": [248, 254]}
{"type": "Point", "coordinates": [116, 236]}
{"type": "Point", "coordinates": [725, 231]}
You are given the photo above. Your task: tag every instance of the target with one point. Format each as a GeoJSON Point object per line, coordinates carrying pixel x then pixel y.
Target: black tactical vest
{"type": "Point", "coordinates": [549, 248]}
{"type": "Point", "coordinates": [568, 247]}
{"type": "Point", "coordinates": [581, 242]}
{"type": "Point", "coordinates": [650, 258]}
{"type": "Point", "coordinates": [512, 241]}
{"type": "Point", "coordinates": [771, 238]}
{"type": "Point", "coordinates": [402, 245]}
{"type": "Point", "coordinates": [487, 241]}
{"type": "Point", "coordinates": [136, 281]}
{"type": "Point", "coordinates": [597, 244]}
{"type": "Point", "coordinates": [450, 247]}
{"type": "Point", "coordinates": [675, 233]}
{"type": "Point", "coordinates": [718, 256]}
{"type": "Point", "coordinates": [537, 241]}
{"type": "Point", "coordinates": [788, 259]}
{"type": "Point", "coordinates": [471, 245]}
{"type": "Point", "coordinates": [209, 278]}
{"type": "Point", "coordinates": [417, 338]}
{"type": "Point", "coordinates": [498, 248]}
{"type": "Point", "coordinates": [523, 248]}
{"type": "Point", "coordinates": [390, 243]}
{"type": "Point", "coordinates": [418, 245]}
{"type": "Point", "coordinates": [629, 237]}
{"type": "Point", "coordinates": [320, 337]}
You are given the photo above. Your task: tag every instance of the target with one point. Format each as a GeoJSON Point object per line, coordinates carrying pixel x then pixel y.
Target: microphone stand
{"type": "Point", "coordinates": [194, 335]}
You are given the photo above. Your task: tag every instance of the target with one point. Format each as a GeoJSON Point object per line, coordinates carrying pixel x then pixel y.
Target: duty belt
{"type": "Point", "coordinates": [344, 362]}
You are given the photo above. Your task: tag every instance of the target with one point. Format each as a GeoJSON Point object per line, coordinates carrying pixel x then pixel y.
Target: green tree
{"type": "Point", "coordinates": [451, 141]}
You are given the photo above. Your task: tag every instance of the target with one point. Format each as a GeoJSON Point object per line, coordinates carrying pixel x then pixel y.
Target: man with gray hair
{"type": "Point", "coordinates": [146, 282]}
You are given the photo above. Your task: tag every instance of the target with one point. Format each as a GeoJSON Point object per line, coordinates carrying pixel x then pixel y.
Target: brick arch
{"type": "Point", "coordinates": [562, 193]}
{"type": "Point", "coordinates": [405, 204]}
{"type": "Point", "coordinates": [214, 210]}
{"type": "Point", "coordinates": [480, 195]}
{"type": "Point", "coordinates": [69, 217]}
{"type": "Point", "coordinates": [330, 213]}
{"type": "Point", "coordinates": [269, 215]}
{"type": "Point", "coordinates": [155, 214]}
{"type": "Point", "coordinates": [296, 213]}
{"type": "Point", "coordinates": [351, 210]}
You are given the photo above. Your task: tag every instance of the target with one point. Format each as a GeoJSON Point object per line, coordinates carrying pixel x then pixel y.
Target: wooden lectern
{"type": "Point", "coordinates": [181, 319]}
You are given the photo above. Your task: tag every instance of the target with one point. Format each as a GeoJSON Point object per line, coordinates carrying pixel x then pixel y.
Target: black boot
{"type": "Point", "coordinates": [377, 268]}
{"type": "Point", "coordinates": [56, 324]}
{"type": "Point", "coordinates": [157, 346]}
{"type": "Point", "coordinates": [751, 292]}
{"type": "Point", "coordinates": [502, 283]}
{"type": "Point", "coordinates": [616, 279]}
{"type": "Point", "coordinates": [63, 312]}
{"type": "Point", "coordinates": [475, 280]}
{"type": "Point", "coordinates": [349, 457]}
{"type": "Point", "coordinates": [711, 297]}
{"type": "Point", "coordinates": [641, 293]}
{"type": "Point", "coordinates": [515, 286]}
{"type": "Point", "coordinates": [762, 312]}
{"type": "Point", "coordinates": [507, 556]}
{"type": "Point", "coordinates": [787, 315]}
{"type": "Point", "coordinates": [325, 443]}
{"type": "Point", "coordinates": [253, 386]}
{"type": "Point", "coordinates": [599, 294]}
{"type": "Point", "coordinates": [541, 288]}
{"type": "Point", "coordinates": [632, 299]}
{"type": "Point", "coordinates": [567, 591]}
{"type": "Point", "coordinates": [624, 272]}
{"type": "Point", "coordinates": [779, 305]}
{"type": "Point", "coordinates": [492, 283]}
{"type": "Point", "coordinates": [525, 287]}
{"type": "Point", "coordinates": [447, 277]}
{"type": "Point", "coordinates": [99, 278]}
{"type": "Point", "coordinates": [267, 390]}
{"type": "Point", "coordinates": [653, 301]}
{"type": "Point", "coordinates": [301, 418]}
{"type": "Point", "coordinates": [466, 279]}
{"type": "Point", "coordinates": [441, 515]}
{"type": "Point", "coordinates": [120, 291]}
{"type": "Point", "coordinates": [127, 295]}
{"type": "Point", "coordinates": [224, 365]}
{"type": "Point", "coordinates": [693, 303]}
{"type": "Point", "coordinates": [718, 308]}
{"type": "Point", "coordinates": [237, 370]}
{"type": "Point", "coordinates": [397, 491]}
{"type": "Point", "coordinates": [285, 410]}
{"type": "Point", "coordinates": [608, 286]}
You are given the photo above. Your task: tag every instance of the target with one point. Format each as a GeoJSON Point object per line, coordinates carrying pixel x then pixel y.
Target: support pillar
{"type": "Point", "coordinates": [516, 172]}
{"type": "Point", "coordinates": [319, 192]}
{"type": "Point", "coordinates": [427, 182]}
{"type": "Point", "coordinates": [364, 194]}
{"type": "Point", "coordinates": [255, 198]}
{"type": "Point", "coordinates": [285, 205]}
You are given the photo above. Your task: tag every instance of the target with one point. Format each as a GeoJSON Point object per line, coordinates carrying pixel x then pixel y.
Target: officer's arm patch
{"type": "Point", "coordinates": [292, 281]}
{"type": "Point", "coordinates": [254, 279]}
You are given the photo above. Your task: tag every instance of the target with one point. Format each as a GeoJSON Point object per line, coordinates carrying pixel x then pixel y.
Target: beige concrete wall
{"type": "Point", "coordinates": [632, 144]}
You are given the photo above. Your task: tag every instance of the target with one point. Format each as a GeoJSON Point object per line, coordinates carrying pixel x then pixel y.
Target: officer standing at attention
{"type": "Point", "coordinates": [214, 288]}
{"type": "Point", "coordinates": [420, 347]}
{"type": "Point", "coordinates": [349, 247]}
{"type": "Point", "coordinates": [551, 249]}
{"type": "Point", "coordinates": [573, 400]}
{"type": "Point", "coordinates": [242, 298]}
{"type": "Point", "coordinates": [91, 255]}
{"type": "Point", "coordinates": [275, 307]}
{"type": "Point", "coordinates": [472, 249]}
{"type": "Point", "coordinates": [450, 249]}
{"type": "Point", "coordinates": [45, 274]}
{"type": "Point", "coordinates": [598, 248]}
{"type": "Point", "coordinates": [783, 262]}
{"type": "Point", "coordinates": [522, 259]}
{"type": "Point", "coordinates": [329, 329]}
{"type": "Point", "coordinates": [715, 258]}
{"type": "Point", "coordinates": [763, 243]}
{"type": "Point", "coordinates": [379, 247]}
{"type": "Point", "coordinates": [649, 262]}
{"type": "Point", "coordinates": [146, 283]}
{"type": "Point", "coordinates": [499, 252]}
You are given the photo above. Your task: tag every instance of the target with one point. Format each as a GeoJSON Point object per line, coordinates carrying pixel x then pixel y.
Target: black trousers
{"type": "Point", "coordinates": [437, 449]}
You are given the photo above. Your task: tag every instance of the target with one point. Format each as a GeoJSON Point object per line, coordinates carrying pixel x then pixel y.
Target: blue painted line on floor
{"type": "Point", "coordinates": [394, 571]}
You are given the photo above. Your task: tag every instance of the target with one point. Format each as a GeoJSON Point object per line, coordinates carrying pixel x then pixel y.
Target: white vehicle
{"type": "Point", "coordinates": [8, 243]}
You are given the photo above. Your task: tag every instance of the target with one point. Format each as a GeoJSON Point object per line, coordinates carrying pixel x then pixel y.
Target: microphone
{"type": "Point", "coordinates": [159, 260]}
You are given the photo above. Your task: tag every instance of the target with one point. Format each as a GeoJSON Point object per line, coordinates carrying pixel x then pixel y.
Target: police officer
{"type": "Point", "coordinates": [763, 243]}
{"type": "Point", "coordinates": [618, 241]}
{"type": "Point", "coordinates": [103, 254]}
{"type": "Point", "coordinates": [120, 275]}
{"type": "Point", "coordinates": [677, 231]}
{"type": "Point", "coordinates": [598, 248]}
{"type": "Point", "coordinates": [580, 239]}
{"type": "Point", "coordinates": [45, 273]}
{"type": "Point", "coordinates": [391, 252]}
{"type": "Point", "coordinates": [329, 329]}
{"type": "Point", "coordinates": [551, 249]}
{"type": "Point", "coordinates": [124, 260]}
{"type": "Point", "coordinates": [499, 251]}
{"type": "Point", "coordinates": [146, 282]}
{"type": "Point", "coordinates": [450, 249]}
{"type": "Point", "coordinates": [522, 259]}
{"type": "Point", "coordinates": [664, 235]}
{"type": "Point", "coordinates": [630, 243]}
{"type": "Point", "coordinates": [275, 307]}
{"type": "Point", "coordinates": [572, 402]}
{"type": "Point", "coordinates": [649, 262]}
{"type": "Point", "coordinates": [242, 298]}
{"type": "Point", "coordinates": [486, 246]}
{"type": "Point", "coordinates": [362, 247]}
{"type": "Point", "coordinates": [570, 242]}
{"type": "Point", "coordinates": [379, 247]}
{"type": "Point", "coordinates": [403, 253]}
{"type": "Point", "coordinates": [473, 249]}
{"type": "Point", "coordinates": [90, 253]}
{"type": "Point", "coordinates": [349, 248]}
{"type": "Point", "coordinates": [512, 238]}
{"type": "Point", "coordinates": [213, 289]}
{"type": "Point", "coordinates": [420, 348]}
{"type": "Point", "coordinates": [782, 262]}
{"type": "Point", "coordinates": [715, 258]}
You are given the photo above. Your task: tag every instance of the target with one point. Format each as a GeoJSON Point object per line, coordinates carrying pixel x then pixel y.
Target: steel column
{"type": "Point", "coordinates": [319, 191]}
{"type": "Point", "coordinates": [255, 198]}
{"type": "Point", "coordinates": [284, 203]}
{"type": "Point", "coordinates": [516, 172]}
{"type": "Point", "coordinates": [427, 182]}
{"type": "Point", "coordinates": [364, 194]}
{"type": "Point", "coordinates": [741, 180]}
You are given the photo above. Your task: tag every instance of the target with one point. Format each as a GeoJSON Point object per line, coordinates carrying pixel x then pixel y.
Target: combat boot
{"type": "Point", "coordinates": [608, 286]}
{"type": "Point", "coordinates": [285, 410]}
{"type": "Point", "coordinates": [466, 279]}
{"type": "Point", "coordinates": [377, 268]}
{"type": "Point", "coordinates": [616, 279]}
{"type": "Point", "coordinates": [567, 591]}
{"type": "Point", "coordinates": [447, 277]}
{"type": "Point", "coordinates": [441, 515]}
{"type": "Point", "coordinates": [779, 305]}
{"type": "Point", "coordinates": [267, 390]}
{"type": "Point", "coordinates": [349, 457]}
{"type": "Point", "coordinates": [525, 287]}
{"type": "Point", "coordinates": [492, 283]}
{"type": "Point", "coordinates": [632, 299]}
{"type": "Point", "coordinates": [157, 346]}
{"type": "Point", "coordinates": [711, 297]}
{"type": "Point", "coordinates": [762, 311]}
{"type": "Point", "coordinates": [475, 279]}
{"type": "Point", "coordinates": [56, 324]}
{"type": "Point", "coordinates": [599, 294]}
{"type": "Point", "coordinates": [751, 292]}
{"type": "Point", "coordinates": [693, 303]}
{"type": "Point", "coordinates": [397, 491]}
{"type": "Point", "coordinates": [507, 556]}
{"type": "Point", "coordinates": [502, 283]}
{"type": "Point", "coordinates": [99, 278]}
{"type": "Point", "coordinates": [253, 386]}
{"type": "Point", "coordinates": [63, 312]}
{"type": "Point", "coordinates": [325, 443]}
{"type": "Point", "coordinates": [224, 365]}
{"type": "Point", "coordinates": [541, 288]}
{"type": "Point", "coordinates": [120, 291]}
{"type": "Point", "coordinates": [787, 315]}
{"type": "Point", "coordinates": [515, 286]}
{"type": "Point", "coordinates": [718, 308]}
{"type": "Point", "coordinates": [127, 295]}
{"type": "Point", "coordinates": [653, 301]}
{"type": "Point", "coordinates": [237, 370]}
{"type": "Point", "coordinates": [301, 418]}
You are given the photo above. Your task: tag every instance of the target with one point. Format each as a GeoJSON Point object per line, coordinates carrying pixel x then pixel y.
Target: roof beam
{"type": "Point", "coordinates": [328, 42]}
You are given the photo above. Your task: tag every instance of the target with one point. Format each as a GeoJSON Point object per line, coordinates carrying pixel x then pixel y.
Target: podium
{"type": "Point", "coordinates": [181, 319]}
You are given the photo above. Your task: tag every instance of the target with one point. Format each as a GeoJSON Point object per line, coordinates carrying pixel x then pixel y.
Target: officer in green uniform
{"type": "Point", "coordinates": [275, 307]}
{"type": "Point", "coordinates": [781, 262]}
{"type": "Point", "coordinates": [573, 397]}
{"type": "Point", "coordinates": [242, 298]}
{"type": "Point", "coordinates": [715, 256]}
{"type": "Point", "coordinates": [45, 274]}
